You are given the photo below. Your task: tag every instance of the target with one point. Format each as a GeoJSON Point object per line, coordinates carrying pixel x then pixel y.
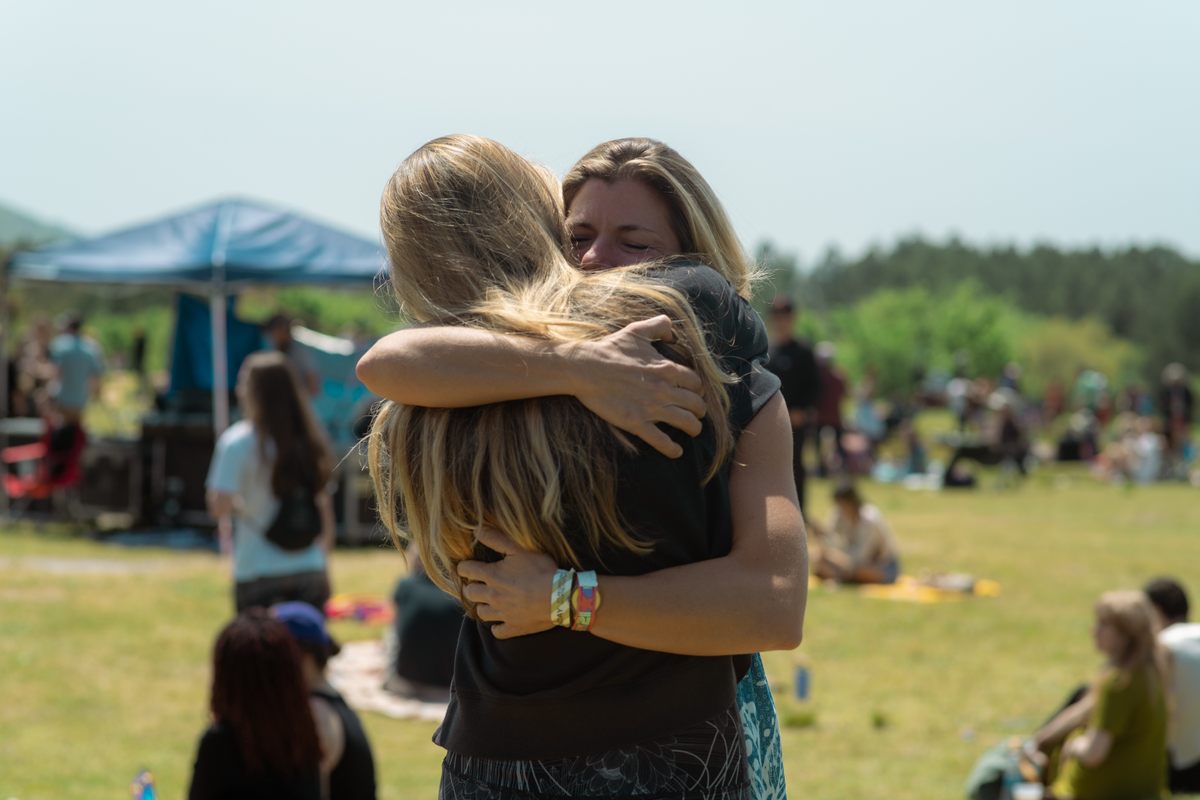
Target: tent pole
{"type": "Point", "coordinates": [220, 359]}
{"type": "Point", "coordinates": [4, 355]}
{"type": "Point", "coordinates": [220, 351]}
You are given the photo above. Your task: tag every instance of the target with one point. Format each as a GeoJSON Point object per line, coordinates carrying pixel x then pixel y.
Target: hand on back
{"type": "Point", "coordinates": [627, 382]}
{"type": "Point", "coordinates": [514, 592]}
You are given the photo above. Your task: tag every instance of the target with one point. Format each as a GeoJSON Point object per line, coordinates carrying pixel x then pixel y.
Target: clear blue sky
{"type": "Point", "coordinates": [1074, 121]}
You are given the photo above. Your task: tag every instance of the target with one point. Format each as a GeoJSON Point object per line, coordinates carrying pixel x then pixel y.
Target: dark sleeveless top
{"type": "Point", "coordinates": [354, 776]}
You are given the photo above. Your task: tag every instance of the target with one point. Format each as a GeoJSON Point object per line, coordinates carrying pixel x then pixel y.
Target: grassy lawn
{"type": "Point", "coordinates": [104, 652]}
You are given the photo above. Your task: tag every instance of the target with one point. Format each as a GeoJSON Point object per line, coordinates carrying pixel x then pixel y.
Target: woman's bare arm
{"type": "Point", "coordinates": [221, 506]}
{"type": "Point", "coordinates": [621, 378]}
{"type": "Point", "coordinates": [752, 599]}
{"type": "Point", "coordinates": [1071, 718]}
{"type": "Point", "coordinates": [1092, 748]}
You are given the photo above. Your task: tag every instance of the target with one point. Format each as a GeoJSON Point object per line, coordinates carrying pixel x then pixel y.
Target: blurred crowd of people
{"type": "Point", "coordinates": [846, 428]}
{"type": "Point", "coordinates": [54, 370]}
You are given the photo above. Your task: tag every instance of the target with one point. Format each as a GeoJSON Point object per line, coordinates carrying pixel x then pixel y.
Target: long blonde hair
{"type": "Point", "coordinates": [1131, 614]}
{"type": "Point", "coordinates": [475, 236]}
{"type": "Point", "coordinates": [697, 217]}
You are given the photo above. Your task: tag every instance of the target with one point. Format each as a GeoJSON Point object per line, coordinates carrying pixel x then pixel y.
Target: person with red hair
{"type": "Point", "coordinates": [263, 740]}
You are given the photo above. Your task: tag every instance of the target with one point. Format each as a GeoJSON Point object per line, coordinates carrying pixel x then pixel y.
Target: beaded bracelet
{"type": "Point", "coordinates": [585, 600]}
{"type": "Point", "coordinates": [560, 597]}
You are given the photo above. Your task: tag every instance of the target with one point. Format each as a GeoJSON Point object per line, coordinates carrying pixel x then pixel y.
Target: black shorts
{"type": "Point", "coordinates": [310, 587]}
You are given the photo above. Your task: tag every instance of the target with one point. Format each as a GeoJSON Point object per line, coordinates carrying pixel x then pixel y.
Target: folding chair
{"type": "Point", "coordinates": [45, 471]}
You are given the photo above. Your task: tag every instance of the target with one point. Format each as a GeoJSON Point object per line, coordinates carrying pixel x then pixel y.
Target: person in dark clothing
{"type": "Point", "coordinates": [1004, 443]}
{"type": "Point", "coordinates": [263, 740]}
{"type": "Point", "coordinates": [347, 765]}
{"type": "Point", "coordinates": [1175, 403]}
{"type": "Point", "coordinates": [830, 396]}
{"type": "Point", "coordinates": [793, 361]}
{"type": "Point", "coordinates": [427, 624]}
{"type": "Point", "coordinates": [278, 331]}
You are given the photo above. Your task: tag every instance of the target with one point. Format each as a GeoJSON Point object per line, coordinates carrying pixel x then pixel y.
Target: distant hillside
{"type": "Point", "coordinates": [17, 228]}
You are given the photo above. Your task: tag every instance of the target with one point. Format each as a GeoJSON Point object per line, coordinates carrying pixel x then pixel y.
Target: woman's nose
{"type": "Point", "coordinates": [599, 254]}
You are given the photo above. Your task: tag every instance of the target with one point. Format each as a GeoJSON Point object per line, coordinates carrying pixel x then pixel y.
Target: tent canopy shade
{"type": "Point", "coordinates": [247, 241]}
{"type": "Point", "coordinates": [216, 246]}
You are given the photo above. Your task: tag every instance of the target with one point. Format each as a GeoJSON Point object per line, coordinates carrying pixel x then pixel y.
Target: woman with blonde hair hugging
{"type": "Point", "coordinates": [628, 201]}
{"type": "Point", "coordinates": [1116, 749]}
{"type": "Point", "coordinates": [475, 237]}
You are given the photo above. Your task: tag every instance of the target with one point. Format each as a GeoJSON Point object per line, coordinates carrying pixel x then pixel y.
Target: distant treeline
{"type": "Point", "coordinates": [914, 307]}
{"type": "Point", "coordinates": [1149, 297]}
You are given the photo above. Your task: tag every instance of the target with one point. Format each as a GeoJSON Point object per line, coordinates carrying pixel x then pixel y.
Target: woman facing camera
{"type": "Point", "coordinates": [475, 237]}
{"type": "Point", "coordinates": [627, 201]}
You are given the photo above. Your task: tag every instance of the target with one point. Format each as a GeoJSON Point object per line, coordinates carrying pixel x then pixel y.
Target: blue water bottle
{"type": "Point", "coordinates": [802, 676]}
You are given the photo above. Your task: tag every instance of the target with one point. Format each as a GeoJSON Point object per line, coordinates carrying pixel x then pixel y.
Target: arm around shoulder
{"type": "Point", "coordinates": [620, 378]}
{"type": "Point", "coordinates": [458, 367]}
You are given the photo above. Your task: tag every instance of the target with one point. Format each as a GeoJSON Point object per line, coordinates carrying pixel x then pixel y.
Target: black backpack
{"type": "Point", "coordinates": [298, 523]}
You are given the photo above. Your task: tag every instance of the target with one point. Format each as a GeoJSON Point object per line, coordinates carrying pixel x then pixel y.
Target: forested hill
{"type": "Point", "coordinates": [17, 227]}
{"type": "Point", "coordinates": [1149, 296]}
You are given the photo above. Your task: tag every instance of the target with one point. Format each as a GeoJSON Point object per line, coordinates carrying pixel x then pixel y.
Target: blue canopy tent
{"type": "Point", "coordinates": [213, 250]}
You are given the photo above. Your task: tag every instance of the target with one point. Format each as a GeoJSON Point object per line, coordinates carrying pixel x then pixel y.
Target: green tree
{"type": "Point", "coordinates": [1055, 349]}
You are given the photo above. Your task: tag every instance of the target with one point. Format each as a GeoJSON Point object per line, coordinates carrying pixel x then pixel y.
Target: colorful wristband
{"type": "Point", "coordinates": [560, 597]}
{"type": "Point", "coordinates": [585, 600]}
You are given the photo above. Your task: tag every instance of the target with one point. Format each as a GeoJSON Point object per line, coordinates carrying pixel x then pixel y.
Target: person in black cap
{"type": "Point", "coordinates": [793, 361]}
{"type": "Point", "coordinates": [347, 765]}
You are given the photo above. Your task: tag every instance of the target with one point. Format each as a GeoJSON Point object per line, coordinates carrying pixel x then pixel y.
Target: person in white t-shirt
{"type": "Point", "coordinates": [858, 546]}
{"type": "Point", "coordinates": [277, 447]}
{"type": "Point", "coordinates": [1182, 640]}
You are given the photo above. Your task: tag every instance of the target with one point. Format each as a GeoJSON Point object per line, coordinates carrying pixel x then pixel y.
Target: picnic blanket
{"type": "Point", "coordinates": [359, 673]}
{"type": "Point", "coordinates": [365, 608]}
{"type": "Point", "coordinates": [932, 589]}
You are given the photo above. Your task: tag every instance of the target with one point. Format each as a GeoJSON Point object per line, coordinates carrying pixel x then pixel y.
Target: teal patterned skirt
{"type": "Point", "coordinates": [761, 728]}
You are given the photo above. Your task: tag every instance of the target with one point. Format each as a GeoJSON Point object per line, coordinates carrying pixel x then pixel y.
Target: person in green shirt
{"type": "Point", "coordinates": [1118, 751]}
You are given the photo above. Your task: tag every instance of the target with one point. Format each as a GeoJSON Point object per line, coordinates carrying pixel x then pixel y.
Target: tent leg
{"type": "Point", "coordinates": [220, 361]}
{"type": "Point", "coordinates": [4, 338]}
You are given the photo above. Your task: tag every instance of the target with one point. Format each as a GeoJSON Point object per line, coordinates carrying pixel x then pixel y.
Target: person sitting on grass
{"type": "Point", "coordinates": [858, 546]}
{"type": "Point", "coordinates": [426, 629]}
{"type": "Point", "coordinates": [1112, 743]}
{"type": "Point", "coordinates": [1181, 639]}
{"type": "Point", "coordinates": [262, 741]}
{"type": "Point", "coordinates": [347, 766]}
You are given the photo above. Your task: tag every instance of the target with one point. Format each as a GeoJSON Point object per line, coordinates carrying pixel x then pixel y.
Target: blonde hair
{"type": "Point", "coordinates": [1132, 615]}
{"type": "Point", "coordinates": [697, 217]}
{"type": "Point", "coordinates": [475, 236]}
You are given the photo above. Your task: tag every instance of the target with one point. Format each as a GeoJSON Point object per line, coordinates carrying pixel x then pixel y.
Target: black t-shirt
{"type": "Point", "coordinates": [793, 361]}
{"type": "Point", "coordinates": [561, 693]}
{"type": "Point", "coordinates": [353, 778]}
{"type": "Point", "coordinates": [220, 774]}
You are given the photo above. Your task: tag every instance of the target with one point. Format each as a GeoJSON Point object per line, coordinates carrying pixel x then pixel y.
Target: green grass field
{"type": "Point", "coordinates": [104, 652]}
